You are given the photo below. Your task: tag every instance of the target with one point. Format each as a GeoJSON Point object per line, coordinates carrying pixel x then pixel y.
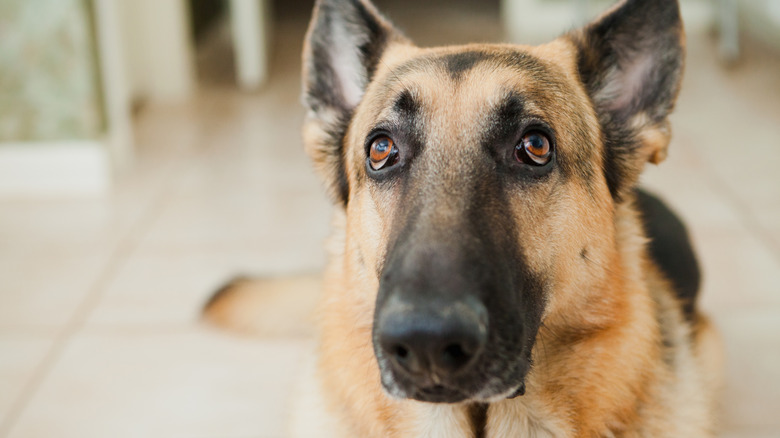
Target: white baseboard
{"type": "Point", "coordinates": [54, 169]}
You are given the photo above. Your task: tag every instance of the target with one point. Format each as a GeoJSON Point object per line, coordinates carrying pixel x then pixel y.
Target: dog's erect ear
{"type": "Point", "coordinates": [631, 62]}
{"type": "Point", "coordinates": [344, 43]}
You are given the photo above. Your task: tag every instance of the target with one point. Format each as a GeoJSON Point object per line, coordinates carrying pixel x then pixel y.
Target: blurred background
{"type": "Point", "coordinates": [150, 150]}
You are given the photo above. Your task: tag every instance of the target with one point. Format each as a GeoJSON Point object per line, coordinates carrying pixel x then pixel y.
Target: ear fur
{"type": "Point", "coordinates": [344, 43]}
{"type": "Point", "coordinates": [631, 62]}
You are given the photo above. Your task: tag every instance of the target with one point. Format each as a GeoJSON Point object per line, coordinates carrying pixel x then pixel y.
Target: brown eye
{"type": "Point", "coordinates": [534, 149]}
{"type": "Point", "coordinates": [382, 153]}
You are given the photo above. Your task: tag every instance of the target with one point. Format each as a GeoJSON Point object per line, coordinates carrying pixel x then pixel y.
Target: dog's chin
{"type": "Point", "coordinates": [503, 381]}
{"type": "Point", "coordinates": [451, 395]}
{"type": "Point", "coordinates": [438, 394]}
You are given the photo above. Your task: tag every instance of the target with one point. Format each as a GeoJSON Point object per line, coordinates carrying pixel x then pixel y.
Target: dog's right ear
{"type": "Point", "coordinates": [631, 63]}
{"type": "Point", "coordinates": [344, 43]}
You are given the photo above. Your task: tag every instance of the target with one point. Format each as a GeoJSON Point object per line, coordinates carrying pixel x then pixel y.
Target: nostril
{"type": "Point", "coordinates": [401, 352]}
{"type": "Point", "coordinates": [404, 357]}
{"type": "Point", "coordinates": [453, 357]}
{"type": "Point", "coordinates": [454, 352]}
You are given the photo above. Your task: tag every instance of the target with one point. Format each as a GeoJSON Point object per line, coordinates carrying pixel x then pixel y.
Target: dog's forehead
{"type": "Point", "coordinates": [468, 81]}
{"type": "Point", "coordinates": [460, 99]}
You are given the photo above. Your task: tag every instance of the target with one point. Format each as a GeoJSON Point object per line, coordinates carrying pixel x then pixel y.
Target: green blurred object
{"type": "Point", "coordinates": [49, 82]}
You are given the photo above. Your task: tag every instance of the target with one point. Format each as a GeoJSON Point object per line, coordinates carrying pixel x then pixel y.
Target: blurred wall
{"type": "Point", "coordinates": [49, 85]}
{"type": "Point", "coordinates": [157, 47]}
{"type": "Point", "coordinates": [761, 18]}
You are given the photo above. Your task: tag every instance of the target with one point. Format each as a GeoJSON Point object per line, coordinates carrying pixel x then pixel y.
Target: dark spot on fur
{"type": "Point", "coordinates": [457, 64]}
{"type": "Point", "coordinates": [666, 324]}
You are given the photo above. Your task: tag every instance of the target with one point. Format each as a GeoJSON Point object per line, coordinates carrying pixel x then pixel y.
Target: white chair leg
{"type": "Point", "coordinates": [728, 23]}
{"type": "Point", "coordinates": [249, 20]}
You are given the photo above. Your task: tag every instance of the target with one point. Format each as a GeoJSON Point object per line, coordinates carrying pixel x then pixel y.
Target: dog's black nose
{"type": "Point", "coordinates": [434, 340]}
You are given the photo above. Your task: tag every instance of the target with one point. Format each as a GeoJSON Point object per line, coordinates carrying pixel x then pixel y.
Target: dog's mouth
{"type": "Point", "coordinates": [480, 385]}
{"type": "Point", "coordinates": [438, 394]}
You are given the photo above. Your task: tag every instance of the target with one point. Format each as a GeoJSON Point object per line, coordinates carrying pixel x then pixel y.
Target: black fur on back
{"type": "Point", "coordinates": [671, 249]}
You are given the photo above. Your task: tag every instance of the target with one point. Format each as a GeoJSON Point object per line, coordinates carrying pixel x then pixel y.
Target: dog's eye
{"type": "Point", "coordinates": [382, 153]}
{"type": "Point", "coordinates": [534, 148]}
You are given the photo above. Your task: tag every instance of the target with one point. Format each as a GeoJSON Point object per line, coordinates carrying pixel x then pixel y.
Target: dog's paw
{"type": "Point", "coordinates": [268, 307]}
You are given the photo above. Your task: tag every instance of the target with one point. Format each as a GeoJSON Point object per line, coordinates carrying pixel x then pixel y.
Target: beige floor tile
{"type": "Point", "coordinates": [167, 288]}
{"type": "Point", "coordinates": [738, 272]}
{"type": "Point", "coordinates": [19, 356]}
{"type": "Point", "coordinates": [691, 196]}
{"type": "Point", "coordinates": [288, 217]}
{"type": "Point", "coordinates": [65, 227]}
{"type": "Point", "coordinates": [40, 291]}
{"type": "Point", "coordinates": [768, 215]}
{"type": "Point", "coordinates": [752, 394]}
{"type": "Point", "coordinates": [187, 384]}
{"type": "Point", "coordinates": [748, 433]}
{"type": "Point", "coordinates": [730, 118]}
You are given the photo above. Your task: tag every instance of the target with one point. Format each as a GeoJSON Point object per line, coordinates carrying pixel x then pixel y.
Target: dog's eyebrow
{"type": "Point", "coordinates": [511, 107]}
{"type": "Point", "coordinates": [507, 113]}
{"type": "Point", "coordinates": [405, 120]}
{"type": "Point", "coordinates": [504, 119]}
{"type": "Point", "coordinates": [406, 105]}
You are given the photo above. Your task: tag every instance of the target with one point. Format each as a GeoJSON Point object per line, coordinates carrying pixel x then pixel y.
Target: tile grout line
{"type": "Point", "coordinates": [116, 259]}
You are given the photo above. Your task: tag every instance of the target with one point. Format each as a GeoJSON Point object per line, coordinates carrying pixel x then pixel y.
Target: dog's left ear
{"type": "Point", "coordinates": [631, 61]}
{"type": "Point", "coordinates": [344, 44]}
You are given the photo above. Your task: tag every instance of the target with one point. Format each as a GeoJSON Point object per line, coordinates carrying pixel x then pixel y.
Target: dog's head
{"type": "Point", "coordinates": [480, 182]}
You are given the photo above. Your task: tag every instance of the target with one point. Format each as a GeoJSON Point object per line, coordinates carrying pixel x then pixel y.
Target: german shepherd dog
{"type": "Point", "coordinates": [494, 270]}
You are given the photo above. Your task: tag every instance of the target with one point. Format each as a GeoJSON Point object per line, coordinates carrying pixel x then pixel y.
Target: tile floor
{"type": "Point", "coordinates": [99, 299]}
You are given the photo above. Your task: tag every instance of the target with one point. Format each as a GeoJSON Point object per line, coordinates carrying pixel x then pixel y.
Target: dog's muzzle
{"type": "Point", "coordinates": [429, 346]}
